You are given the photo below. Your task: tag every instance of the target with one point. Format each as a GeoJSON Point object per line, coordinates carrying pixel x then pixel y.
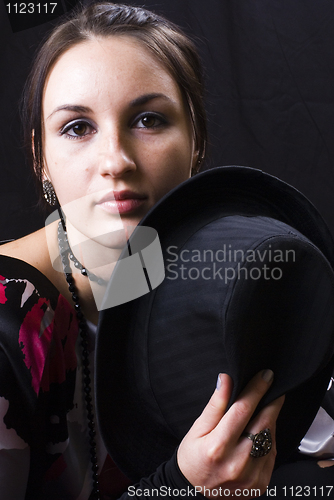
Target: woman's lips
{"type": "Point", "coordinates": [122, 202]}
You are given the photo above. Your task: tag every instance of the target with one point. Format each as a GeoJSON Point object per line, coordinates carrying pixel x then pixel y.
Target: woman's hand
{"type": "Point", "coordinates": [215, 454]}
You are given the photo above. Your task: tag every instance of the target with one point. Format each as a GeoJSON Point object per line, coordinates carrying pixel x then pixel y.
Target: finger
{"type": "Point", "coordinates": [216, 407]}
{"type": "Point", "coordinates": [325, 463]}
{"type": "Point", "coordinates": [266, 417]}
{"type": "Point", "coordinates": [240, 413]}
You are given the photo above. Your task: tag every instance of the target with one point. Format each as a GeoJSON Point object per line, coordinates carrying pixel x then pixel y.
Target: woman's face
{"type": "Point", "coordinates": [117, 134]}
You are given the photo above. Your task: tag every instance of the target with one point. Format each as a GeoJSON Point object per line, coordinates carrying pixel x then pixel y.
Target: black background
{"type": "Point", "coordinates": [269, 70]}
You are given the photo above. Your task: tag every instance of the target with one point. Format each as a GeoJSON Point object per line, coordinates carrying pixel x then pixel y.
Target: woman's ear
{"type": "Point", "coordinates": [32, 144]}
{"type": "Point", "coordinates": [198, 157]}
{"type": "Point", "coordinates": [33, 152]}
{"type": "Point", "coordinates": [41, 171]}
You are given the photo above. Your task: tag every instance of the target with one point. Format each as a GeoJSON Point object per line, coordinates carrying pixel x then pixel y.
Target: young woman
{"type": "Point", "coordinates": [115, 119]}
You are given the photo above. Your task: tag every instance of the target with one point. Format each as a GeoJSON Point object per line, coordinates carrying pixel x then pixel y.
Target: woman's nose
{"type": "Point", "coordinates": [116, 158]}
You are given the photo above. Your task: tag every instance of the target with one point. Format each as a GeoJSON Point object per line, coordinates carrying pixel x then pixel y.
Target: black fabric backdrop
{"type": "Point", "coordinates": [269, 68]}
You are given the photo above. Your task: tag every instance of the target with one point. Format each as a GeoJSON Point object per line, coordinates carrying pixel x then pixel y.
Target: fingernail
{"type": "Point", "coordinates": [267, 375]}
{"type": "Point", "coordinates": [219, 382]}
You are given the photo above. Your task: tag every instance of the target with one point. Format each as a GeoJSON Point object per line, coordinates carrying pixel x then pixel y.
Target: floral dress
{"type": "Point", "coordinates": [44, 450]}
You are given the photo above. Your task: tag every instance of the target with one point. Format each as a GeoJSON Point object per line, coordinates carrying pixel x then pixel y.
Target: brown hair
{"type": "Point", "coordinates": [165, 40]}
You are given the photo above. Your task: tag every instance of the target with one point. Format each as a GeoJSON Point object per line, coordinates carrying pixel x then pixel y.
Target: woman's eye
{"type": "Point", "coordinates": [149, 121]}
{"type": "Point", "coordinates": [77, 130]}
{"type": "Point", "coordinates": [80, 129]}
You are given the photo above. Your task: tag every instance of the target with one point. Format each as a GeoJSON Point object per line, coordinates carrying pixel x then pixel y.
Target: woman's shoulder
{"type": "Point", "coordinates": [22, 281]}
{"type": "Point", "coordinates": [28, 259]}
{"type": "Point", "coordinates": [31, 249]}
{"type": "Point", "coordinates": [31, 258]}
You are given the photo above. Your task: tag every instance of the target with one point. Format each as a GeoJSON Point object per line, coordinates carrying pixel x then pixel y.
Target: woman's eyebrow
{"type": "Point", "coordinates": [71, 107]}
{"type": "Point", "coordinates": [144, 99]}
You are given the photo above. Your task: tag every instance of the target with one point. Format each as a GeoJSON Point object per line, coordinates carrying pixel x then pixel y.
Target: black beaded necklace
{"type": "Point", "coordinates": [65, 250]}
{"type": "Point", "coordinates": [84, 271]}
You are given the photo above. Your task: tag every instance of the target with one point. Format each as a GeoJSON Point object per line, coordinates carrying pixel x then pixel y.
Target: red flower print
{"type": "Point", "coordinates": [48, 338]}
{"type": "Point", "coordinates": [3, 297]}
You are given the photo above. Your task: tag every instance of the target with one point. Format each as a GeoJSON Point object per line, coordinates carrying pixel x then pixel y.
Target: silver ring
{"type": "Point", "coordinates": [262, 443]}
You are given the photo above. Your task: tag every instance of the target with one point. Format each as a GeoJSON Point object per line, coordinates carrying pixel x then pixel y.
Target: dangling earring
{"type": "Point", "coordinates": [49, 193]}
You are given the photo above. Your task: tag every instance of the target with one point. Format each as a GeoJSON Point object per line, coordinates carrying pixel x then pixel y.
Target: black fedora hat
{"type": "Point", "coordinates": [249, 285]}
